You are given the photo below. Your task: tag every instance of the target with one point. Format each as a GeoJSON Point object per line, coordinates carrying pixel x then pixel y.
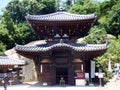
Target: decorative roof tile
{"type": "Point", "coordinates": [60, 16]}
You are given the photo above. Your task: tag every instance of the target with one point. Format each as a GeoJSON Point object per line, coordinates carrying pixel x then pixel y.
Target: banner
{"type": "Point", "coordinates": [92, 69]}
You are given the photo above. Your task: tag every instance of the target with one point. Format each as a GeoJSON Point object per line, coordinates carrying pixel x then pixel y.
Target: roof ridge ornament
{"type": "Point", "coordinates": [27, 14]}
{"type": "Point", "coordinates": [16, 44]}
{"type": "Point", "coordinates": [60, 8]}
{"type": "Point", "coordinates": [61, 41]}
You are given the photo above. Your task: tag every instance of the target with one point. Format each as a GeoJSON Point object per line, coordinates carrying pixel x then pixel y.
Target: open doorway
{"type": "Point", "coordinates": [61, 72]}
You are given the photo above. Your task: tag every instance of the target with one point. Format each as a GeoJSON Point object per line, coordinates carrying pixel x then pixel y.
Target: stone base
{"type": "Point", "coordinates": [80, 82]}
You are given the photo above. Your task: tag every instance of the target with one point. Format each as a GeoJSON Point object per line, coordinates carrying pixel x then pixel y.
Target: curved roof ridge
{"type": "Point", "coordinates": [61, 16]}
{"type": "Point", "coordinates": [86, 47]}
{"type": "Point", "coordinates": [67, 13]}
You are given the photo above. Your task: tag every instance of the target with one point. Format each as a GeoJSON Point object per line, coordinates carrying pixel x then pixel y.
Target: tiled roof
{"type": "Point", "coordinates": [4, 60]}
{"type": "Point", "coordinates": [76, 47]}
{"type": "Point", "coordinates": [60, 16]}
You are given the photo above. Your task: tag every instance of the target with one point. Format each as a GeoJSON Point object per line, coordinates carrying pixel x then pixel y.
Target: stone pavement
{"type": "Point", "coordinates": [112, 85]}
{"type": "Point", "coordinates": [27, 87]}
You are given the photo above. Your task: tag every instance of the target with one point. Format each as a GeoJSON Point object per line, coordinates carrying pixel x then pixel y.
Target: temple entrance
{"type": "Point", "coordinates": [61, 60]}
{"type": "Point", "coordinates": [61, 73]}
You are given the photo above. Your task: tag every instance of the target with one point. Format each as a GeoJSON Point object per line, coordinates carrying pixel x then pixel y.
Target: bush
{"type": "Point", "coordinates": [108, 75]}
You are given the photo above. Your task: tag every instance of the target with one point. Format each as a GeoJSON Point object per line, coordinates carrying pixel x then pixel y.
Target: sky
{"type": "Point", "coordinates": [3, 4]}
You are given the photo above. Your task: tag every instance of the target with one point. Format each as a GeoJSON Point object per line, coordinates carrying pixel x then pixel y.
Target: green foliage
{"type": "Point", "coordinates": [81, 2]}
{"type": "Point", "coordinates": [97, 35]}
{"type": "Point", "coordinates": [12, 33]}
{"type": "Point", "coordinates": [8, 30]}
{"type": "Point", "coordinates": [26, 34]}
{"type": "Point", "coordinates": [102, 62]}
{"type": "Point", "coordinates": [114, 20]}
{"type": "Point", "coordinates": [2, 48]}
{"type": "Point", "coordinates": [77, 9]}
{"type": "Point", "coordinates": [103, 20]}
{"type": "Point", "coordinates": [84, 7]}
{"type": "Point", "coordinates": [57, 4]}
{"type": "Point", "coordinates": [114, 50]}
{"type": "Point", "coordinates": [108, 75]}
{"type": "Point", "coordinates": [19, 8]}
{"type": "Point", "coordinates": [49, 6]}
{"type": "Point", "coordinates": [109, 16]}
{"type": "Point", "coordinates": [68, 2]}
{"type": "Point", "coordinates": [68, 5]}
{"type": "Point", "coordinates": [113, 54]}
{"type": "Point", "coordinates": [106, 6]}
{"type": "Point", "coordinates": [8, 23]}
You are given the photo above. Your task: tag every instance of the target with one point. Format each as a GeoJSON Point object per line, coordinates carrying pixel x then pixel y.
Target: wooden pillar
{"type": "Point", "coordinates": [53, 75]}
{"type": "Point", "coordinates": [71, 79]}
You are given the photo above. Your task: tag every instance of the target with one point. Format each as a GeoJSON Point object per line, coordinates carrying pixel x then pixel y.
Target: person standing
{"type": "Point", "coordinates": [62, 81]}
{"type": "Point", "coordinates": [116, 71]}
{"type": "Point", "coordinates": [119, 72]}
{"type": "Point", "coordinates": [5, 81]}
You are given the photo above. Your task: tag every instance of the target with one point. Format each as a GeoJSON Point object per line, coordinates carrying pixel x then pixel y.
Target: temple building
{"type": "Point", "coordinates": [60, 56]}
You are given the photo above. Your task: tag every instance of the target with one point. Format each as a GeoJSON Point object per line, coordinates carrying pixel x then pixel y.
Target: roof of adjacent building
{"type": "Point", "coordinates": [5, 60]}
{"type": "Point", "coordinates": [60, 16]}
{"type": "Point", "coordinates": [76, 47]}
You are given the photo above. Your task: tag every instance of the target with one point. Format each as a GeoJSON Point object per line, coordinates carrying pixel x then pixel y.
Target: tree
{"type": "Point", "coordinates": [19, 8]}
{"type": "Point", "coordinates": [109, 16]}
{"type": "Point", "coordinates": [14, 33]}
{"type": "Point", "coordinates": [3, 36]}
{"type": "Point", "coordinates": [114, 51]}
{"type": "Point", "coordinates": [81, 2]}
{"type": "Point", "coordinates": [49, 6]}
{"type": "Point", "coordinates": [7, 30]}
{"type": "Point", "coordinates": [77, 9]}
{"type": "Point", "coordinates": [16, 10]}
{"type": "Point", "coordinates": [106, 6]}
{"type": "Point", "coordinates": [97, 35]}
{"type": "Point", "coordinates": [26, 33]}
{"type": "Point", "coordinates": [113, 54]}
{"type": "Point", "coordinates": [3, 33]}
{"type": "Point", "coordinates": [2, 48]}
{"type": "Point", "coordinates": [68, 4]}
{"type": "Point", "coordinates": [114, 20]}
{"type": "Point", "coordinates": [57, 4]}
{"type": "Point", "coordinates": [84, 7]}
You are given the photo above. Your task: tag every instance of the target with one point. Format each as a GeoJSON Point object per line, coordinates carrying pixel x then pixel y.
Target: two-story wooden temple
{"type": "Point", "coordinates": [61, 56]}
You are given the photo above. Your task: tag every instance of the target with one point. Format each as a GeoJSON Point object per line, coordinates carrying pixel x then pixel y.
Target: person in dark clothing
{"type": "Point", "coordinates": [5, 81]}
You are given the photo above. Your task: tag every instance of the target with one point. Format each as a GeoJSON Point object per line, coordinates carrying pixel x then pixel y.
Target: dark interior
{"type": "Point", "coordinates": [61, 72]}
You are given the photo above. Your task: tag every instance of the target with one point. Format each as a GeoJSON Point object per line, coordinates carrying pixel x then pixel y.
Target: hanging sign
{"type": "Point", "coordinates": [87, 76]}
{"type": "Point", "coordinates": [100, 75]}
{"type": "Point", "coordinates": [80, 75]}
